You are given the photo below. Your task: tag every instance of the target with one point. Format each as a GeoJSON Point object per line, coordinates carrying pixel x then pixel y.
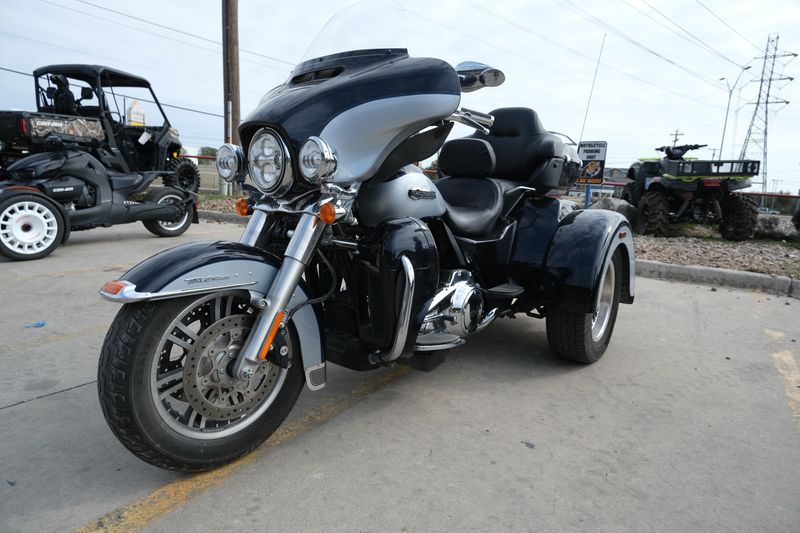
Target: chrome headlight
{"type": "Point", "coordinates": [269, 162]}
{"type": "Point", "coordinates": [317, 160]}
{"type": "Point", "coordinates": [230, 162]}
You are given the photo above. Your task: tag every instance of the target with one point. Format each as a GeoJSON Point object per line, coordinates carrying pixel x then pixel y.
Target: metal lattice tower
{"type": "Point", "coordinates": [755, 142]}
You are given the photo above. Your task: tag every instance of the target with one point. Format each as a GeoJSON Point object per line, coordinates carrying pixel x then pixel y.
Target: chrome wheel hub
{"type": "Point", "coordinates": [605, 302]}
{"type": "Point", "coordinates": [210, 388]}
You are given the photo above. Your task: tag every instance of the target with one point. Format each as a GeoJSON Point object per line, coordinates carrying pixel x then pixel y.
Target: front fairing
{"type": "Point", "coordinates": [364, 103]}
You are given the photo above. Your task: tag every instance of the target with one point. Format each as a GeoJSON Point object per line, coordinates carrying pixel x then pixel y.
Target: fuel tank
{"type": "Point", "coordinates": [409, 193]}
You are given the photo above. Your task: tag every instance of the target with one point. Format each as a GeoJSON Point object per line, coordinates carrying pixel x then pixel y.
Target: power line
{"type": "Point", "coordinates": [98, 6]}
{"type": "Point", "coordinates": [598, 22]}
{"type": "Point", "coordinates": [173, 106]}
{"type": "Point", "coordinates": [578, 53]}
{"type": "Point", "coordinates": [195, 45]}
{"type": "Point", "coordinates": [728, 25]}
{"type": "Point", "coordinates": [701, 42]}
{"type": "Point", "coordinates": [138, 65]}
{"type": "Point", "coordinates": [691, 39]}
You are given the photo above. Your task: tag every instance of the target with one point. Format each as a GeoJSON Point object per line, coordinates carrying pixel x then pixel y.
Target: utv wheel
{"type": "Point", "coordinates": [739, 217]}
{"type": "Point", "coordinates": [584, 337]}
{"type": "Point", "coordinates": [627, 193]}
{"type": "Point", "coordinates": [165, 383]}
{"type": "Point", "coordinates": [652, 215]}
{"type": "Point", "coordinates": [30, 227]}
{"type": "Point", "coordinates": [166, 228]}
{"type": "Point", "coordinates": [185, 174]}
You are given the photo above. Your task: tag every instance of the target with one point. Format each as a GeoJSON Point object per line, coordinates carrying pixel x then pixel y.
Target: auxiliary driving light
{"type": "Point", "coordinates": [317, 160]}
{"type": "Point", "coordinates": [230, 162]}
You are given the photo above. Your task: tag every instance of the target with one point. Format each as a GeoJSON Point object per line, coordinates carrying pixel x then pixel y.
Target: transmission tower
{"type": "Point", "coordinates": [755, 142]}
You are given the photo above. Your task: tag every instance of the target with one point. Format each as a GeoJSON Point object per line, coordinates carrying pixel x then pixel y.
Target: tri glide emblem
{"type": "Point", "coordinates": [421, 193]}
{"type": "Point", "coordinates": [206, 279]}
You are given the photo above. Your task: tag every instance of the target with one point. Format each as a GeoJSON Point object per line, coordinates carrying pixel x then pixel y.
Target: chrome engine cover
{"type": "Point", "coordinates": [455, 312]}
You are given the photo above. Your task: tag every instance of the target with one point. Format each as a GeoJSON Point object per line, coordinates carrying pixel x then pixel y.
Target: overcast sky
{"type": "Point", "coordinates": [547, 48]}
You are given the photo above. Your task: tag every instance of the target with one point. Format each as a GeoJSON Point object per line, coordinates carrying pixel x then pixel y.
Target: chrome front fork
{"type": "Point", "coordinates": [273, 315]}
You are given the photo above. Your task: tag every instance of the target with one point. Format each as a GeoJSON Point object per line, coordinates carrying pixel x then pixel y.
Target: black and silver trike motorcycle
{"type": "Point", "coordinates": [355, 257]}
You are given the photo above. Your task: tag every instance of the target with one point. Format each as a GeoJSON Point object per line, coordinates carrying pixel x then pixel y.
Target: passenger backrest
{"type": "Point", "coordinates": [520, 143]}
{"type": "Point", "coordinates": [466, 158]}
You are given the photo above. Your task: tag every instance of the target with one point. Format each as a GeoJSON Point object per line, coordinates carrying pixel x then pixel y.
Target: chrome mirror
{"type": "Point", "coordinates": [474, 75]}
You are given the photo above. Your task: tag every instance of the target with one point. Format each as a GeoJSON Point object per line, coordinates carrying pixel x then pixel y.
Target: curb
{"type": "Point", "coordinates": [780, 285]}
{"type": "Point", "coordinates": [216, 216]}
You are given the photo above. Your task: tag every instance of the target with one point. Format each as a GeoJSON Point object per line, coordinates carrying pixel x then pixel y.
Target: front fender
{"type": "Point", "coordinates": [581, 247]}
{"type": "Point", "coordinates": [204, 267]}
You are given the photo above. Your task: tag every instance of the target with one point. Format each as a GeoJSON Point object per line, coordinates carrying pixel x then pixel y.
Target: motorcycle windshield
{"type": "Point", "coordinates": [359, 89]}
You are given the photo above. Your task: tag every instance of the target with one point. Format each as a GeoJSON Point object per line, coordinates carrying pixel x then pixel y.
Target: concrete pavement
{"type": "Point", "coordinates": [690, 422]}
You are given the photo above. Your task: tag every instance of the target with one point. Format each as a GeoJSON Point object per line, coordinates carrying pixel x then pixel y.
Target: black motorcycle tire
{"type": "Point", "coordinates": [166, 228]}
{"type": "Point", "coordinates": [739, 217]}
{"type": "Point", "coordinates": [185, 174]}
{"type": "Point", "coordinates": [129, 410]}
{"type": "Point", "coordinates": [652, 216]}
{"type": "Point", "coordinates": [570, 334]}
{"type": "Point", "coordinates": [43, 213]}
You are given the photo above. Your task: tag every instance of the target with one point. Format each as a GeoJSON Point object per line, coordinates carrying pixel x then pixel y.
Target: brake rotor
{"type": "Point", "coordinates": [207, 381]}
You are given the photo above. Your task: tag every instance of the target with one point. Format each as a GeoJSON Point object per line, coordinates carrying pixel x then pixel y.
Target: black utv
{"type": "Point", "coordinates": [680, 189]}
{"type": "Point", "coordinates": [78, 163]}
{"type": "Point", "coordinates": [104, 119]}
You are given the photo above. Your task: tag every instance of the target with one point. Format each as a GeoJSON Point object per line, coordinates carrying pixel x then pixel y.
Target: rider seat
{"type": "Point", "coordinates": [478, 170]}
{"type": "Point", "coordinates": [125, 181]}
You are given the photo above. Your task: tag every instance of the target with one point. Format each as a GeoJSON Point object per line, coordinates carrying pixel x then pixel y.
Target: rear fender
{"type": "Point", "coordinates": [579, 251]}
{"type": "Point", "coordinates": [204, 267]}
{"type": "Point", "coordinates": [7, 191]}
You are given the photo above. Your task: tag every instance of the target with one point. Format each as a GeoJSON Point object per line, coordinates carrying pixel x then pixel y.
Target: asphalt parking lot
{"type": "Point", "coordinates": [690, 423]}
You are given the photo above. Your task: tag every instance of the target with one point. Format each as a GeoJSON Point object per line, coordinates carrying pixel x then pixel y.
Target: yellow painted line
{"type": "Point", "coordinates": [786, 365]}
{"type": "Point", "coordinates": [37, 341]}
{"type": "Point", "coordinates": [163, 500]}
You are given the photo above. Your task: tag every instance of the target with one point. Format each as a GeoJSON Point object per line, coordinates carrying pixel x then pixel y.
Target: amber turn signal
{"type": "Point", "coordinates": [241, 207]}
{"type": "Point", "coordinates": [113, 287]}
{"type": "Point", "coordinates": [271, 336]}
{"type": "Point", "coordinates": [327, 213]}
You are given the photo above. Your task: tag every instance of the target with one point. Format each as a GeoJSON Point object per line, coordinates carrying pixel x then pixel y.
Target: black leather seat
{"type": "Point", "coordinates": [125, 181]}
{"type": "Point", "coordinates": [474, 202]}
{"type": "Point", "coordinates": [478, 170]}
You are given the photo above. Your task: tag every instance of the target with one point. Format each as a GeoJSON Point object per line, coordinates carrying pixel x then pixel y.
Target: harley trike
{"type": "Point", "coordinates": [354, 256]}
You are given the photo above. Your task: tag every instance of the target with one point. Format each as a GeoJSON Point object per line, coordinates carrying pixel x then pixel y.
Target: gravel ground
{"type": "Point", "coordinates": [766, 257]}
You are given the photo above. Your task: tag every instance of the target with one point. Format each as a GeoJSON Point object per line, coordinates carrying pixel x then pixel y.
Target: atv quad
{"type": "Point", "coordinates": [675, 189]}
{"type": "Point", "coordinates": [107, 121]}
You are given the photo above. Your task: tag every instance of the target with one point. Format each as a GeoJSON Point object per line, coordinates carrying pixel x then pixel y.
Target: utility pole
{"type": "Point", "coordinates": [230, 69]}
{"type": "Point", "coordinates": [675, 136]}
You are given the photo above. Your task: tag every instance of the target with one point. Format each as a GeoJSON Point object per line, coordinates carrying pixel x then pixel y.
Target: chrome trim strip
{"type": "Point", "coordinates": [130, 294]}
{"type": "Point", "coordinates": [313, 369]}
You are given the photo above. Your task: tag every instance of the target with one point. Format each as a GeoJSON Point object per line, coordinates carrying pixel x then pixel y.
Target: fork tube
{"type": "Point", "coordinates": [272, 317]}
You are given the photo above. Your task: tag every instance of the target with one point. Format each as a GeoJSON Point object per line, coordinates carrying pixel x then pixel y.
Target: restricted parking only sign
{"type": "Point", "coordinates": [593, 155]}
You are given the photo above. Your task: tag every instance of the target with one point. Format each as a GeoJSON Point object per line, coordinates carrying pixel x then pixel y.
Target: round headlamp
{"type": "Point", "coordinates": [269, 162]}
{"type": "Point", "coordinates": [317, 160]}
{"type": "Point", "coordinates": [230, 162]}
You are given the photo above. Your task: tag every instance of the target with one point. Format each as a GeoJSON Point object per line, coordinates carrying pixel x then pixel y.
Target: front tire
{"type": "Point", "coordinates": [30, 227]}
{"type": "Point", "coordinates": [652, 214]}
{"type": "Point", "coordinates": [166, 228]}
{"type": "Point", "coordinates": [165, 386]}
{"type": "Point", "coordinates": [584, 337]}
{"type": "Point", "coordinates": [739, 217]}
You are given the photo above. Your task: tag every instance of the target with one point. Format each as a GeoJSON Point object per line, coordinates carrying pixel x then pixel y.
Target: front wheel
{"type": "Point", "coordinates": [30, 227]}
{"type": "Point", "coordinates": [168, 228]}
{"type": "Point", "coordinates": [166, 386]}
{"type": "Point", "coordinates": [652, 214]}
{"type": "Point", "coordinates": [584, 337]}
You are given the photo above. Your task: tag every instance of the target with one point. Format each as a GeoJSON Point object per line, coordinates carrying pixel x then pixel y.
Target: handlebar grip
{"type": "Point", "coordinates": [484, 119]}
